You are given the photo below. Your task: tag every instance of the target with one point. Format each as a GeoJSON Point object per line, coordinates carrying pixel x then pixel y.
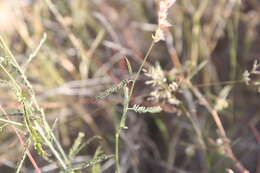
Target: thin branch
{"type": "Point", "coordinates": [228, 150]}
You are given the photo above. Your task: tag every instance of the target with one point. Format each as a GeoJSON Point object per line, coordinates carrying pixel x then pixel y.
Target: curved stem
{"type": "Point", "coordinates": [126, 104]}
{"type": "Point", "coordinates": [140, 68]}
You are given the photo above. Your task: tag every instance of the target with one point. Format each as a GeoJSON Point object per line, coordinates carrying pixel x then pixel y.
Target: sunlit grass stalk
{"type": "Point", "coordinates": [11, 122]}
{"type": "Point", "coordinates": [49, 144]}
{"type": "Point", "coordinates": [34, 126]}
{"type": "Point", "coordinates": [127, 98]}
{"type": "Point", "coordinates": [34, 53]}
{"type": "Point", "coordinates": [47, 127]}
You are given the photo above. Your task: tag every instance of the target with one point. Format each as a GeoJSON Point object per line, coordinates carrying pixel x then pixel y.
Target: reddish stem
{"type": "Point", "coordinates": [23, 144]}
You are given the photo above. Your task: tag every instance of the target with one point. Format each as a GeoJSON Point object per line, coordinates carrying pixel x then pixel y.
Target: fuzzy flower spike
{"type": "Point", "coordinates": [162, 19]}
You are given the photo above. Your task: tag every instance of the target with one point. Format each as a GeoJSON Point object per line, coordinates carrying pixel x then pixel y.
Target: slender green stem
{"type": "Point", "coordinates": [17, 87]}
{"type": "Point", "coordinates": [5, 48]}
{"type": "Point", "coordinates": [46, 129]}
{"type": "Point", "coordinates": [121, 125]}
{"type": "Point", "coordinates": [117, 152]}
{"type": "Point", "coordinates": [11, 122]}
{"type": "Point", "coordinates": [126, 104]}
{"type": "Point", "coordinates": [140, 68]}
{"type": "Point", "coordinates": [49, 144]}
{"type": "Point", "coordinates": [58, 145]}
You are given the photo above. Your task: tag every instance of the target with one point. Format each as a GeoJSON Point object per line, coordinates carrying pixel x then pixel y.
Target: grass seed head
{"type": "Point", "coordinates": [162, 19]}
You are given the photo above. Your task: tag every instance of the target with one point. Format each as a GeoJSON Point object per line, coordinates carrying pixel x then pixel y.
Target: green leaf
{"type": "Point", "coordinates": [112, 89]}
{"type": "Point", "coordinates": [142, 109]}
{"type": "Point", "coordinates": [75, 146]}
{"type": "Point", "coordinates": [90, 163]}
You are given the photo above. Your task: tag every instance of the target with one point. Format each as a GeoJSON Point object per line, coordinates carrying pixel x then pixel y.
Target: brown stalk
{"type": "Point", "coordinates": [228, 150]}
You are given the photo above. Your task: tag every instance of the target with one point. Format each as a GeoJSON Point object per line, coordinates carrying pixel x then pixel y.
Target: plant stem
{"type": "Point", "coordinates": [11, 122]}
{"type": "Point", "coordinates": [126, 104]}
{"type": "Point", "coordinates": [49, 144]}
{"type": "Point", "coordinates": [140, 68]}
{"type": "Point", "coordinates": [222, 133]}
{"type": "Point", "coordinates": [38, 128]}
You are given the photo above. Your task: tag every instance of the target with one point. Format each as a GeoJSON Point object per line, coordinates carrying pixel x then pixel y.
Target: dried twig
{"type": "Point", "coordinates": [228, 150]}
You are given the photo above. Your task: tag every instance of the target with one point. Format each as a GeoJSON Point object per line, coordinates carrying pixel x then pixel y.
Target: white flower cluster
{"type": "Point", "coordinates": [162, 90]}
{"type": "Point", "coordinates": [254, 71]}
{"type": "Point", "coordinates": [162, 19]}
{"type": "Point", "coordinates": [156, 74]}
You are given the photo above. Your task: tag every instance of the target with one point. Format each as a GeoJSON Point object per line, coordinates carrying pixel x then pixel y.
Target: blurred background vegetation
{"type": "Point", "coordinates": [83, 55]}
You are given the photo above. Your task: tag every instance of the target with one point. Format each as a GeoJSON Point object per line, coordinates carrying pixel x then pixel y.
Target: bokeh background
{"type": "Point", "coordinates": [87, 41]}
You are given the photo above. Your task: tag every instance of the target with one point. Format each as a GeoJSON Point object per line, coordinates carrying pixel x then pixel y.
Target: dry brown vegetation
{"type": "Point", "coordinates": [194, 108]}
